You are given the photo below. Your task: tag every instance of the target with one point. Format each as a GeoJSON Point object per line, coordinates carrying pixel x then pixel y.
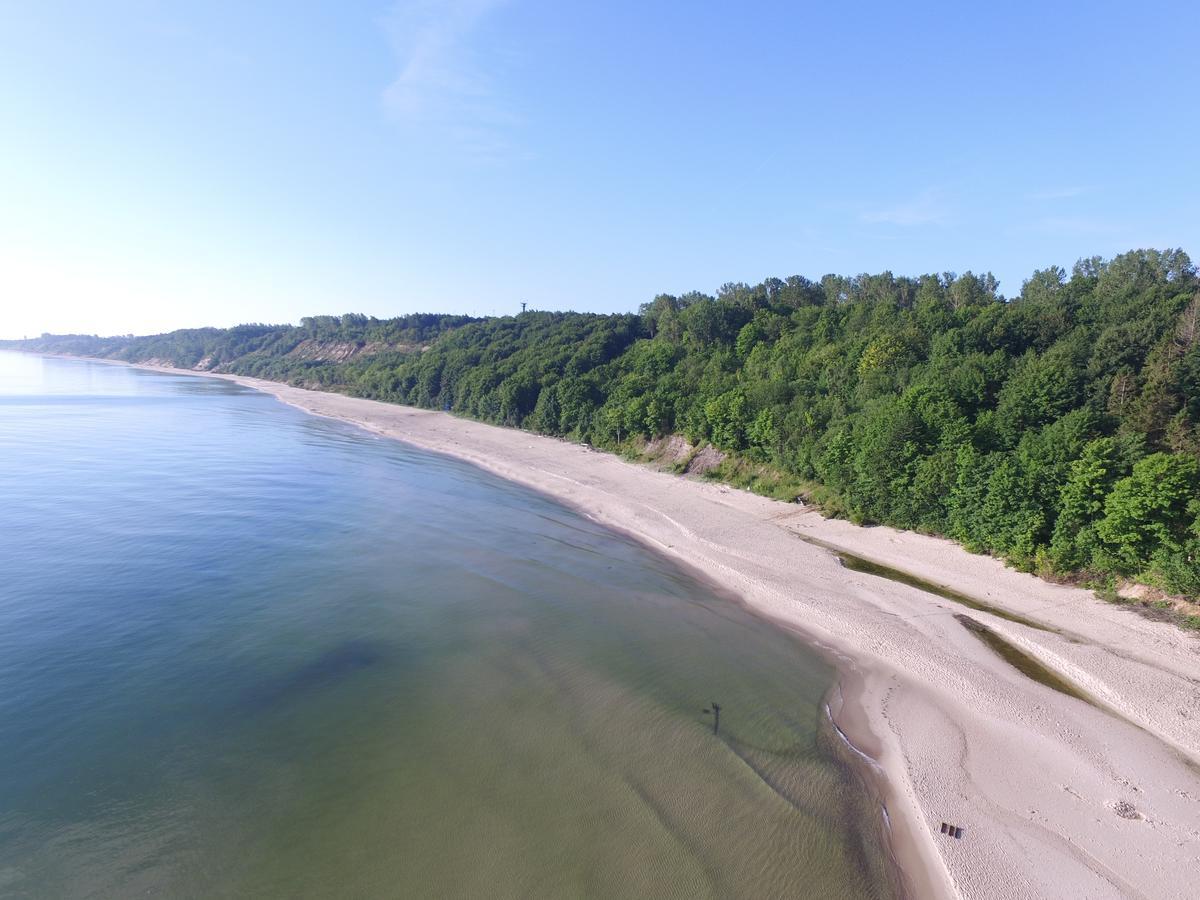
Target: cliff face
{"type": "Point", "coordinates": [344, 351]}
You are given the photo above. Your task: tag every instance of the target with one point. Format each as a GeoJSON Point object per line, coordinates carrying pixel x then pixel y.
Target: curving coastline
{"type": "Point", "coordinates": [1057, 797]}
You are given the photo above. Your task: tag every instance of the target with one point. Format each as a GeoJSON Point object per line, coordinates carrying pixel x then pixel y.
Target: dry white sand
{"type": "Point", "coordinates": [1057, 798]}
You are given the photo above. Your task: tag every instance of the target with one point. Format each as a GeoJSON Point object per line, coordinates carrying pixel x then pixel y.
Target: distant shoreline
{"type": "Point", "coordinates": [1056, 797]}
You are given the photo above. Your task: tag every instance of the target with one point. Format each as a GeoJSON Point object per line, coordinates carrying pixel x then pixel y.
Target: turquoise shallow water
{"type": "Point", "coordinates": [246, 652]}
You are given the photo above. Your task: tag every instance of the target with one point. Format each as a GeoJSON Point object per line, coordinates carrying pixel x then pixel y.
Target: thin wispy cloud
{"type": "Point", "coordinates": [1071, 226]}
{"type": "Point", "coordinates": [443, 83]}
{"type": "Point", "coordinates": [1062, 193]}
{"type": "Point", "coordinates": [927, 208]}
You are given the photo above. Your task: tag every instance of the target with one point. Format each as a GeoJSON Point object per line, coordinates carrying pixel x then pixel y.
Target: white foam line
{"type": "Point", "coordinates": [870, 759]}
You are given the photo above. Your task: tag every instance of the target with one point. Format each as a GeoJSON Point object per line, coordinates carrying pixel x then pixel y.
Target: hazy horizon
{"type": "Point", "coordinates": [492, 313]}
{"type": "Point", "coordinates": [171, 167]}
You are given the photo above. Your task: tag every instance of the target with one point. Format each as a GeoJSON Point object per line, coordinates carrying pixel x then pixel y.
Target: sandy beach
{"type": "Point", "coordinates": [1056, 797]}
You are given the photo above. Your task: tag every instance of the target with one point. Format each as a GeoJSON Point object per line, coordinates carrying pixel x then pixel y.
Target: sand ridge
{"type": "Point", "coordinates": [1057, 798]}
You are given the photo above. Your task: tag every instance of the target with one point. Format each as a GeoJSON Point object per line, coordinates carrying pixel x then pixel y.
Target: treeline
{"type": "Point", "coordinates": [1059, 428]}
{"type": "Point", "coordinates": [315, 352]}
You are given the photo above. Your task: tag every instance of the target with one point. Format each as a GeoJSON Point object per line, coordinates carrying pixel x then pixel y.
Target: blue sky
{"type": "Point", "coordinates": [174, 164]}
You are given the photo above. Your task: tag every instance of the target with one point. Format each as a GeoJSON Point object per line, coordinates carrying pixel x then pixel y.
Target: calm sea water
{"type": "Point", "coordinates": [247, 652]}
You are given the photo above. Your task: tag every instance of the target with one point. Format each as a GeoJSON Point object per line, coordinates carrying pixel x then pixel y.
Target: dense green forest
{"type": "Point", "coordinates": [1059, 428]}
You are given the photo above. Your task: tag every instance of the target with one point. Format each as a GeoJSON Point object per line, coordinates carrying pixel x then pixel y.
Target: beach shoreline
{"type": "Point", "coordinates": [1056, 797]}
